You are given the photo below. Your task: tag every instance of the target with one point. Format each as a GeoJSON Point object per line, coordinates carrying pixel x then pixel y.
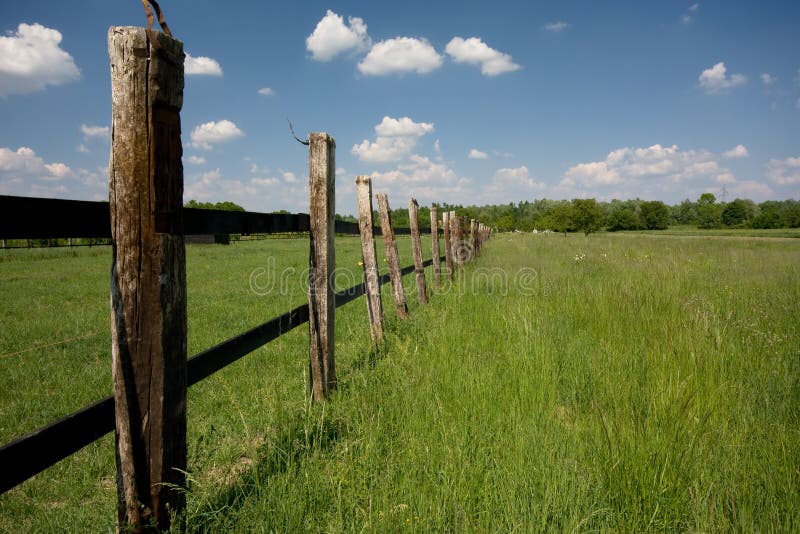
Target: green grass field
{"type": "Point", "coordinates": [616, 382]}
{"type": "Point", "coordinates": [686, 231]}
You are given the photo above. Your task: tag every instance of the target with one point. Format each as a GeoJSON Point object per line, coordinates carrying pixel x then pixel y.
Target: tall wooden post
{"type": "Point", "coordinates": [455, 238]}
{"type": "Point", "coordinates": [416, 247]}
{"type": "Point", "coordinates": [448, 245]}
{"type": "Point", "coordinates": [473, 234]}
{"type": "Point", "coordinates": [148, 276]}
{"type": "Point", "coordinates": [322, 263]}
{"type": "Point", "coordinates": [392, 257]}
{"type": "Point", "coordinates": [368, 257]}
{"type": "Point", "coordinates": [436, 255]}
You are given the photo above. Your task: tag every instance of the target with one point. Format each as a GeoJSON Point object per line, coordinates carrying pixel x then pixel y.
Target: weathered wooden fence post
{"type": "Point", "coordinates": [392, 257]}
{"type": "Point", "coordinates": [448, 245]}
{"type": "Point", "coordinates": [454, 239]}
{"type": "Point", "coordinates": [322, 263]}
{"type": "Point", "coordinates": [148, 276]}
{"type": "Point", "coordinates": [436, 254]}
{"type": "Point", "coordinates": [473, 234]}
{"type": "Point", "coordinates": [457, 237]}
{"type": "Point", "coordinates": [368, 257]}
{"type": "Point", "coordinates": [416, 246]}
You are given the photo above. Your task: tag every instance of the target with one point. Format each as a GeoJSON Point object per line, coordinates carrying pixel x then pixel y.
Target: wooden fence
{"type": "Point", "coordinates": [148, 285]}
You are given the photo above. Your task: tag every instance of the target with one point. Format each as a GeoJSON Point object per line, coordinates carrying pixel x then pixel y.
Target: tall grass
{"type": "Point", "coordinates": [610, 383]}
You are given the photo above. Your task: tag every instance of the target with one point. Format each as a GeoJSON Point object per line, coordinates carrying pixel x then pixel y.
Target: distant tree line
{"type": "Point", "coordinates": [589, 215]}
{"type": "Point", "coordinates": [739, 213]}
{"type": "Point", "coordinates": [225, 205]}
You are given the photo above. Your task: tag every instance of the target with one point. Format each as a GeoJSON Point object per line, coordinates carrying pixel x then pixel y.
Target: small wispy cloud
{"type": "Point", "coordinates": [688, 17]}
{"type": "Point", "coordinates": [739, 151]}
{"type": "Point", "coordinates": [556, 27]}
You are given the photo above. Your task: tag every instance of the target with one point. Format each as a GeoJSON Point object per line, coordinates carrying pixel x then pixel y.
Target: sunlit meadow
{"type": "Point", "coordinates": [615, 382]}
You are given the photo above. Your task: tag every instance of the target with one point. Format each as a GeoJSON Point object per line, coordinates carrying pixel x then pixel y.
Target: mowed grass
{"type": "Point", "coordinates": [606, 383]}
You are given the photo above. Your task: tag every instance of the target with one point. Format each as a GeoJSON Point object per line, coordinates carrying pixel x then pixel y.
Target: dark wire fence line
{"type": "Point", "coordinates": [31, 454]}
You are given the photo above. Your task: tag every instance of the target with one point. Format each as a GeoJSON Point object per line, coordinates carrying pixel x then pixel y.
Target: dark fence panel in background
{"type": "Point", "coordinates": [42, 218]}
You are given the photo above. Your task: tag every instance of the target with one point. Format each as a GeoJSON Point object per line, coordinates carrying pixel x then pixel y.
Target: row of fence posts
{"type": "Point", "coordinates": [456, 253]}
{"type": "Point", "coordinates": [463, 240]}
{"type": "Point", "coordinates": [148, 278]}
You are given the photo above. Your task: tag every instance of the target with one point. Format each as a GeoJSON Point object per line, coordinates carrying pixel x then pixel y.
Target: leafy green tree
{"type": "Point", "coordinates": [684, 213]}
{"type": "Point", "coordinates": [791, 213]}
{"type": "Point", "coordinates": [709, 213]}
{"type": "Point", "coordinates": [768, 218]}
{"type": "Point", "coordinates": [560, 218]}
{"type": "Point", "coordinates": [587, 215]}
{"type": "Point", "coordinates": [623, 218]}
{"type": "Point", "coordinates": [706, 199]}
{"type": "Point", "coordinates": [655, 215]}
{"type": "Point", "coordinates": [736, 213]}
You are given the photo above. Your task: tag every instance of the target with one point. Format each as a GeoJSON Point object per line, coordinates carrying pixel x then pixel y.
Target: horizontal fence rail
{"type": "Point", "coordinates": [42, 218]}
{"type": "Point", "coordinates": [31, 454]}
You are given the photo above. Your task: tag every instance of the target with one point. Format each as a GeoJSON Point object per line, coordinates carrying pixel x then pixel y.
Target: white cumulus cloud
{"type": "Point", "coordinates": [424, 179]}
{"type": "Point", "coordinates": [31, 59]}
{"type": "Point", "coordinates": [477, 154]}
{"type": "Point", "coordinates": [403, 126]}
{"type": "Point", "coordinates": [400, 55]}
{"type": "Point", "coordinates": [418, 169]}
{"type": "Point", "coordinates": [23, 163]}
{"type": "Point", "coordinates": [752, 189]}
{"type": "Point", "coordinates": [259, 193]}
{"type": "Point", "coordinates": [332, 36]}
{"type": "Point", "coordinates": [716, 79]}
{"type": "Point", "coordinates": [266, 91]}
{"type": "Point", "coordinates": [511, 184]}
{"type": "Point", "coordinates": [201, 66]}
{"type": "Point", "coordinates": [739, 151]}
{"type": "Point", "coordinates": [211, 133]}
{"type": "Point", "coordinates": [632, 165]}
{"type": "Point", "coordinates": [517, 177]}
{"type": "Point", "coordinates": [196, 160]}
{"type": "Point", "coordinates": [784, 171]}
{"type": "Point", "coordinates": [473, 51]}
{"type": "Point", "coordinates": [395, 139]}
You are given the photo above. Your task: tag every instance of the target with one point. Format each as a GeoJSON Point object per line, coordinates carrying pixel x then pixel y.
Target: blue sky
{"type": "Point", "coordinates": [469, 102]}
